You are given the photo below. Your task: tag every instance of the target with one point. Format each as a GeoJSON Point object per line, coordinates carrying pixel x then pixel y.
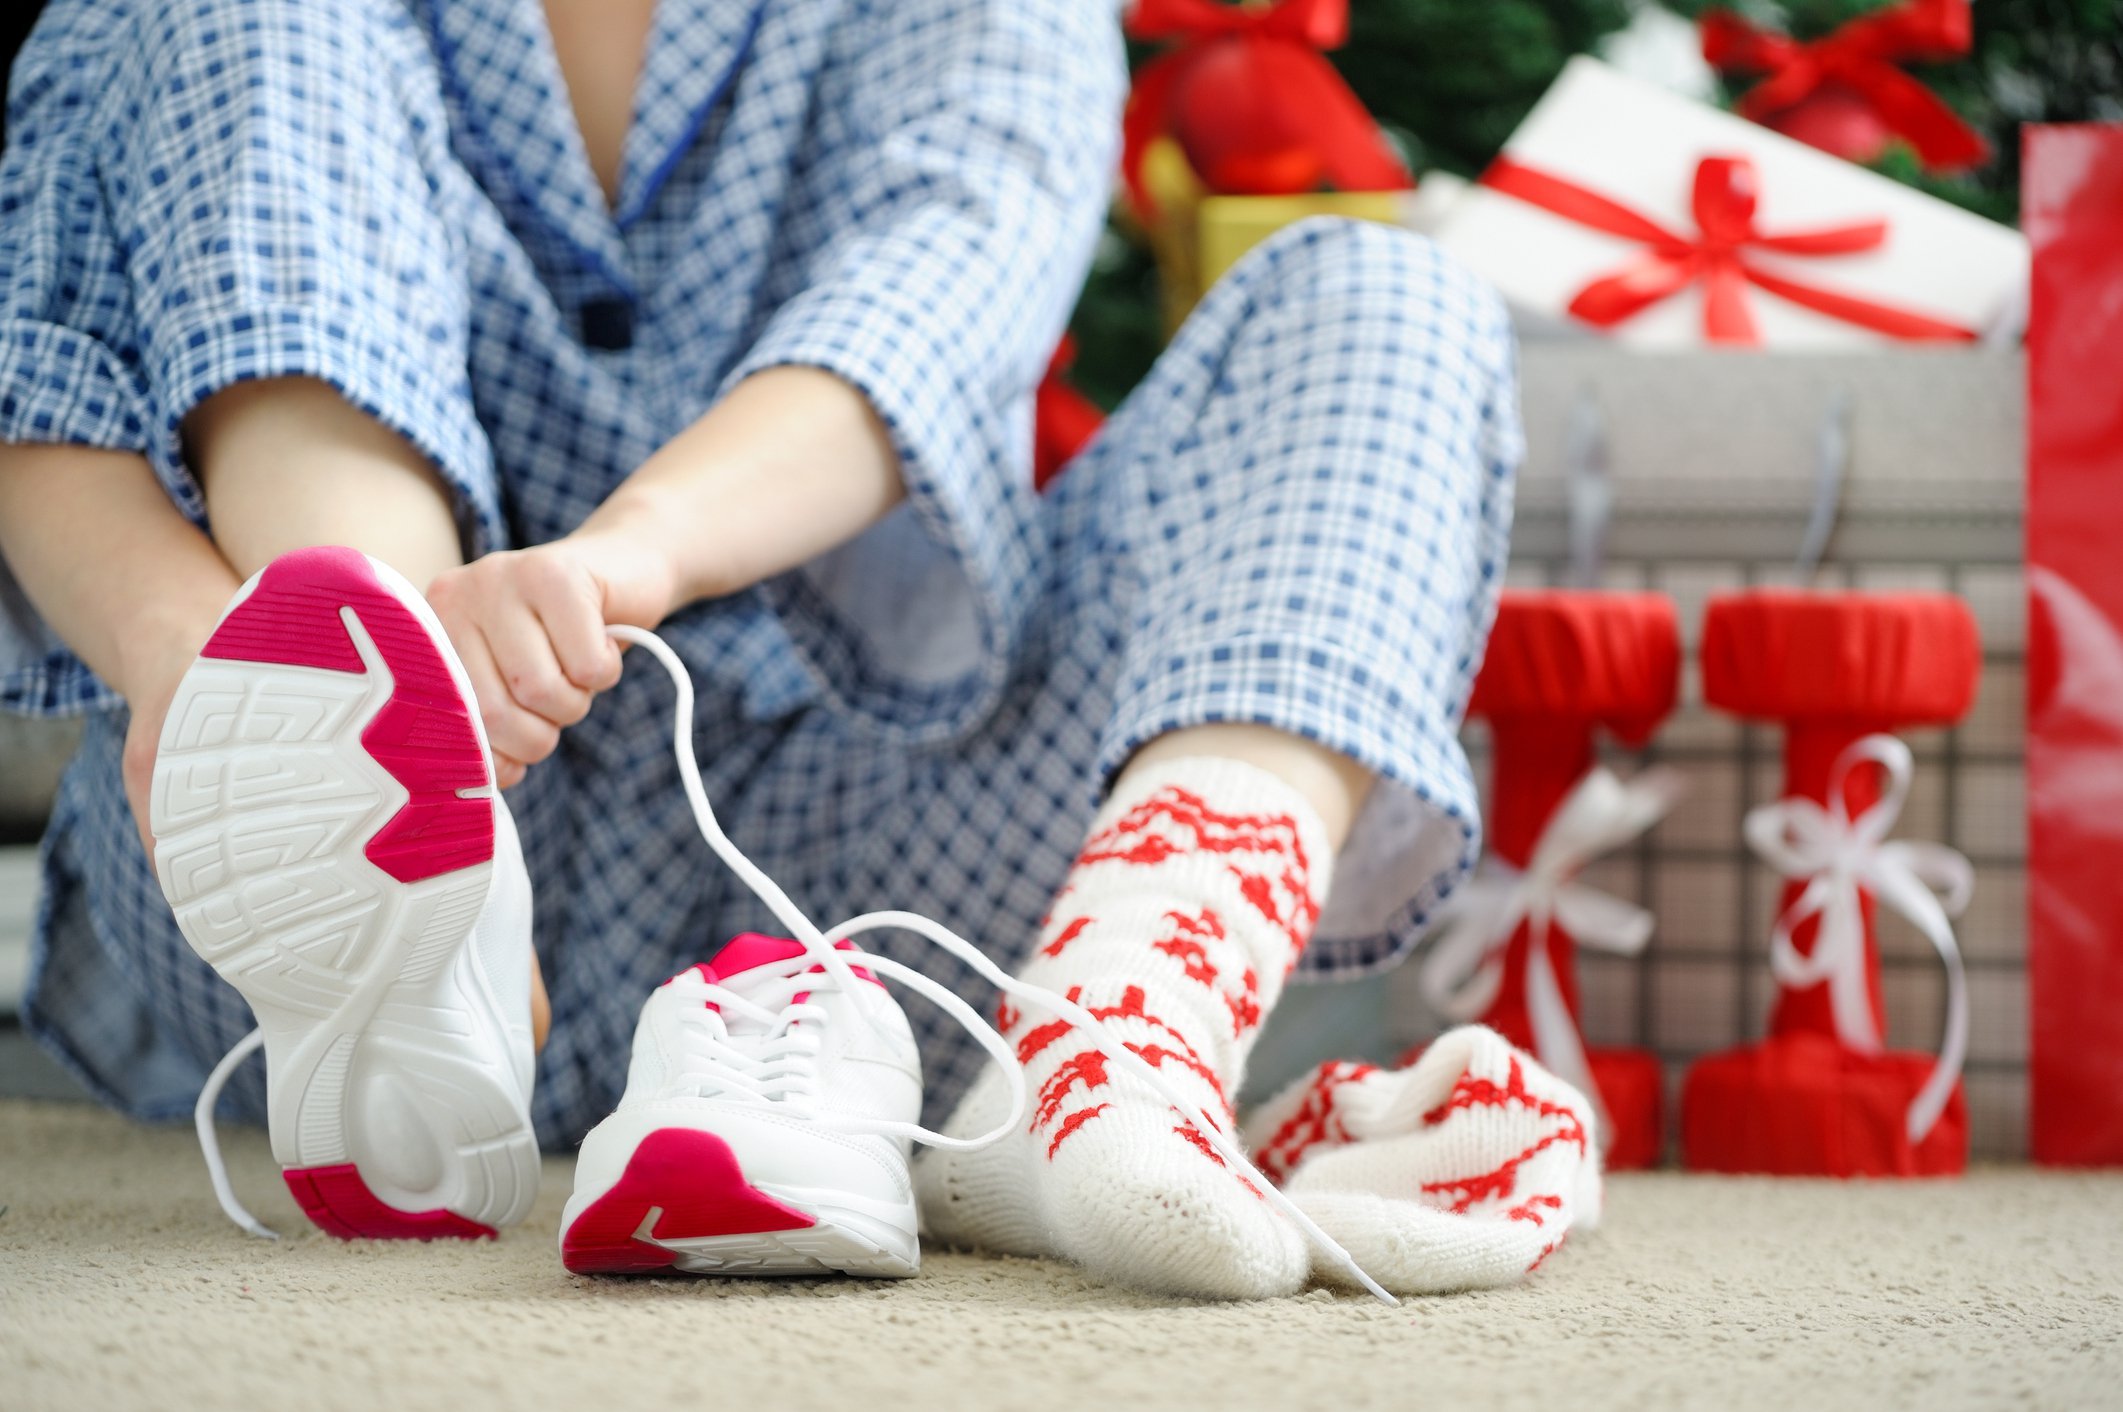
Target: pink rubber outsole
{"type": "Point", "coordinates": [424, 736]}
{"type": "Point", "coordinates": [341, 1204]}
{"type": "Point", "coordinates": [695, 1178]}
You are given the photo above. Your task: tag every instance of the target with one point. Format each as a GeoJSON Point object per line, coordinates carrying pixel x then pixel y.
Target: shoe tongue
{"type": "Point", "coordinates": [752, 959]}
{"type": "Point", "coordinates": [754, 953]}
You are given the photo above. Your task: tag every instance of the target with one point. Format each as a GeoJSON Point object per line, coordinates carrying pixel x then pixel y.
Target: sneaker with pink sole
{"type": "Point", "coordinates": [328, 833]}
{"type": "Point", "coordinates": [740, 1146]}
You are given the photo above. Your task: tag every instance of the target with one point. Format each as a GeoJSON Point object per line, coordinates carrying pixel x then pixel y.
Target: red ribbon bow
{"type": "Point", "coordinates": [1724, 205]}
{"type": "Point", "coordinates": [1859, 59]}
{"type": "Point", "coordinates": [1252, 101]}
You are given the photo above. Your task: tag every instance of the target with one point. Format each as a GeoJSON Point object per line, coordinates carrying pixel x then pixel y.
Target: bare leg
{"type": "Point", "coordinates": [287, 463]}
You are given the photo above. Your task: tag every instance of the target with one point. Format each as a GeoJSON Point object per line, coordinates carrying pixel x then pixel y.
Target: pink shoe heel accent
{"type": "Point", "coordinates": [695, 1178]}
{"type": "Point", "coordinates": [341, 1204]}
{"type": "Point", "coordinates": [424, 736]}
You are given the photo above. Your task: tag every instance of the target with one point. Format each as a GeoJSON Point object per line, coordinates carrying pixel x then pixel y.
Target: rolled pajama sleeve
{"type": "Point", "coordinates": [188, 202]}
{"type": "Point", "coordinates": [283, 212]}
{"type": "Point", "coordinates": [961, 165]}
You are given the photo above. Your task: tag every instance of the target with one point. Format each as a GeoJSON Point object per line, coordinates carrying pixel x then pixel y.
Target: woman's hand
{"type": "Point", "coordinates": [529, 625]}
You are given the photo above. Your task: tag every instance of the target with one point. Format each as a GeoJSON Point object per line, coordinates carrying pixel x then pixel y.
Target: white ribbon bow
{"type": "Point", "coordinates": [1839, 856]}
{"type": "Point", "coordinates": [1465, 966]}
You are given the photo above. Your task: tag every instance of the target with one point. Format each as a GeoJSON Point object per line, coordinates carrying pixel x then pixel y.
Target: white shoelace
{"type": "Point", "coordinates": [774, 1065]}
{"type": "Point", "coordinates": [822, 950]}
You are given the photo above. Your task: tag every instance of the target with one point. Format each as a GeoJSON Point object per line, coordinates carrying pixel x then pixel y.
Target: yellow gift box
{"type": "Point", "coordinates": [1197, 236]}
{"type": "Point", "coordinates": [1226, 227]}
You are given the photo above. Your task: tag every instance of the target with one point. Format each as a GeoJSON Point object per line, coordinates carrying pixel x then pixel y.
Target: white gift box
{"type": "Point", "coordinates": [1604, 160]}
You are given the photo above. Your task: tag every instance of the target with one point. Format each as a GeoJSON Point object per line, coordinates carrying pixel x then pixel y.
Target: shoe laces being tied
{"type": "Point", "coordinates": [786, 1067]}
{"type": "Point", "coordinates": [822, 952]}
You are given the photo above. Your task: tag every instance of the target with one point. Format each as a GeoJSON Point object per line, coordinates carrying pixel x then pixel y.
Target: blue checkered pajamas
{"type": "Point", "coordinates": [1298, 519]}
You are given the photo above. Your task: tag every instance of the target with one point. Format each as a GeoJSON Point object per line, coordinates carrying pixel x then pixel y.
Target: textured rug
{"type": "Point", "coordinates": [121, 1286]}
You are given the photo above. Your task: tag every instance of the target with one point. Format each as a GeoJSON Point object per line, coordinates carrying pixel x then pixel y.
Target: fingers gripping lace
{"type": "Point", "coordinates": [821, 949]}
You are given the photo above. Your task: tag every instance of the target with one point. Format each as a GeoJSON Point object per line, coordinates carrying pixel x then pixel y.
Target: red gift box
{"type": "Point", "coordinates": [2072, 190]}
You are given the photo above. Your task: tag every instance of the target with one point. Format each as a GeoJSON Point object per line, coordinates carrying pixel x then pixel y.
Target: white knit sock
{"type": "Point", "coordinates": [1464, 1171]}
{"type": "Point", "coordinates": [1196, 890]}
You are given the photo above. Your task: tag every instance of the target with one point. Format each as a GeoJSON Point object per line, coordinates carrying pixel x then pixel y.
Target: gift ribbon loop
{"type": "Point", "coordinates": [1860, 58]}
{"type": "Point", "coordinates": [1724, 209]}
{"type": "Point", "coordinates": [1839, 859]}
{"type": "Point", "coordinates": [1464, 968]}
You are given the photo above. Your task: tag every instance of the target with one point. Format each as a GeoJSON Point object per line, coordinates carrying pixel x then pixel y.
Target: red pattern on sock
{"type": "Point", "coordinates": [1530, 1209]}
{"type": "Point", "coordinates": [1186, 946]}
{"type": "Point", "coordinates": [1195, 1135]}
{"type": "Point", "coordinates": [1133, 837]}
{"type": "Point", "coordinates": [1131, 1008]}
{"type": "Point", "coordinates": [1192, 956]}
{"type": "Point", "coordinates": [1068, 934]}
{"type": "Point", "coordinates": [1315, 1121]}
{"type": "Point", "coordinates": [1470, 1091]}
{"type": "Point", "coordinates": [1087, 1069]}
{"type": "Point", "coordinates": [1245, 1006]}
{"type": "Point", "coordinates": [1200, 1140]}
{"type": "Point", "coordinates": [1155, 1056]}
{"type": "Point", "coordinates": [1046, 1034]}
{"type": "Point", "coordinates": [1068, 1128]}
{"type": "Point", "coordinates": [1294, 921]}
{"type": "Point", "coordinates": [1499, 1182]}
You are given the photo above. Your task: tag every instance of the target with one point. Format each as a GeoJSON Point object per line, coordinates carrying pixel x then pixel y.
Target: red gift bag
{"type": "Point", "coordinates": [2072, 198]}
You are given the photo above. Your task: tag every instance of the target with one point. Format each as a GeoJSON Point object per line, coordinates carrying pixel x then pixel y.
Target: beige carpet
{"type": "Point", "coordinates": [121, 1287]}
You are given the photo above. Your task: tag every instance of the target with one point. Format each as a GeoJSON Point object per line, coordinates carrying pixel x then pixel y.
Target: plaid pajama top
{"type": "Point", "coordinates": [393, 196]}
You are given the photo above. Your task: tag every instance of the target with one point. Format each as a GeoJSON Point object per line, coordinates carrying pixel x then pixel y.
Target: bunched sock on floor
{"type": "Point", "coordinates": [1186, 910]}
{"type": "Point", "coordinates": [1464, 1171]}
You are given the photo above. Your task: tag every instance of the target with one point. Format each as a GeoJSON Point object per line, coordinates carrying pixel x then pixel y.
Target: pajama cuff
{"type": "Point", "coordinates": [1418, 835]}
{"type": "Point", "coordinates": [948, 548]}
{"type": "Point", "coordinates": [61, 386]}
{"type": "Point", "coordinates": [426, 400]}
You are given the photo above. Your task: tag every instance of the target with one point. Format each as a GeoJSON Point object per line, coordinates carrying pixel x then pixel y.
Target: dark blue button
{"type": "Point", "coordinates": [608, 324]}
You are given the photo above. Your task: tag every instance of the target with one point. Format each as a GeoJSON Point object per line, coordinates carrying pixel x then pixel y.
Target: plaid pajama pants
{"type": "Point", "coordinates": [1299, 519]}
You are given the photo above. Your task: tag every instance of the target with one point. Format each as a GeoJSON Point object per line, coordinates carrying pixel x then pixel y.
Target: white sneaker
{"type": "Point", "coordinates": [328, 833]}
{"type": "Point", "coordinates": [746, 1142]}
